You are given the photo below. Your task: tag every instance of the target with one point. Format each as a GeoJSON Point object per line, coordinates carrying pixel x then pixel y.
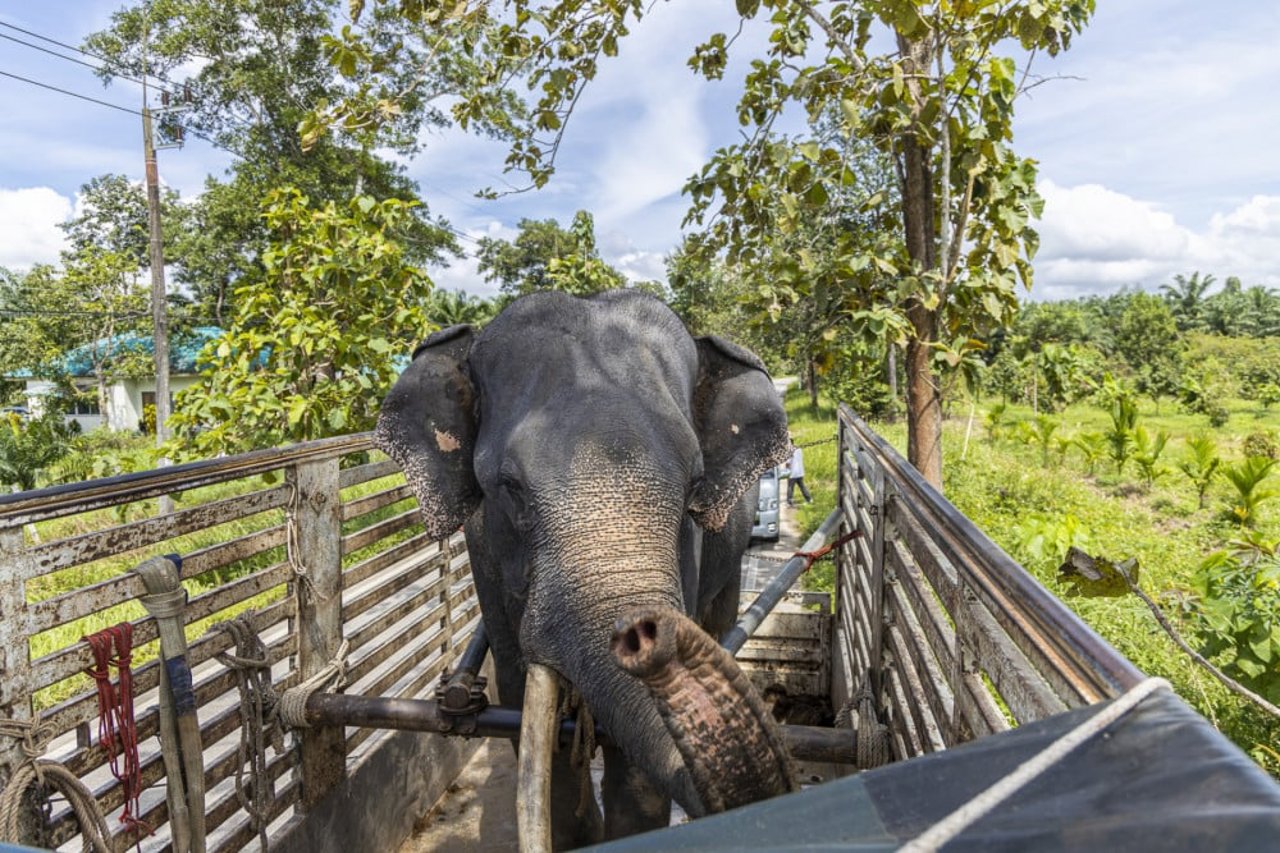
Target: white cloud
{"type": "Point", "coordinates": [29, 232]}
{"type": "Point", "coordinates": [1094, 240]}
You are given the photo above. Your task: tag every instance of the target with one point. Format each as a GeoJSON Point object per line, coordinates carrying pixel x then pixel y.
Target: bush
{"type": "Point", "coordinates": [1261, 444]}
{"type": "Point", "coordinates": [1238, 610]}
{"type": "Point", "coordinates": [27, 447]}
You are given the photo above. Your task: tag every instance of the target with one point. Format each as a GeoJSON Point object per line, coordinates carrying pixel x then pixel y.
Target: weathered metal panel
{"type": "Point", "coordinates": [369, 471]}
{"type": "Point", "coordinates": [71, 660]}
{"type": "Point", "coordinates": [416, 548]}
{"type": "Point", "coordinates": [368, 535]}
{"type": "Point", "coordinates": [121, 539]}
{"type": "Point", "coordinates": [43, 615]}
{"type": "Point", "coordinates": [375, 501]}
{"type": "Point", "coordinates": [57, 501]}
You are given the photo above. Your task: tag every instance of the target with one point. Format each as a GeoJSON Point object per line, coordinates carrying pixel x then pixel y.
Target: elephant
{"type": "Point", "coordinates": [602, 463]}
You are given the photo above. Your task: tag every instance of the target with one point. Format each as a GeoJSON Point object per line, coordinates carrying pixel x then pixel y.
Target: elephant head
{"type": "Point", "coordinates": [581, 441]}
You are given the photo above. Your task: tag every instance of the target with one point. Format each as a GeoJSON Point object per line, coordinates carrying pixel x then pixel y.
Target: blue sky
{"type": "Point", "coordinates": [1157, 148]}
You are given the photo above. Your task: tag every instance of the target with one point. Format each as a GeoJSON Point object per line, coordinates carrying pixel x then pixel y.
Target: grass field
{"type": "Point", "coordinates": [1002, 485]}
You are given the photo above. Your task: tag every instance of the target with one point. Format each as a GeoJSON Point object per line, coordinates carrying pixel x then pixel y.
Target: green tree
{"type": "Point", "coordinates": [263, 67]}
{"type": "Point", "coordinates": [28, 447]}
{"type": "Point", "coordinates": [1148, 339]}
{"type": "Point", "coordinates": [544, 256]}
{"type": "Point", "coordinates": [1186, 299]}
{"type": "Point", "coordinates": [317, 338]}
{"type": "Point", "coordinates": [1124, 419]}
{"type": "Point", "coordinates": [1248, 477]}
{"type": "Point", "coordinates": [1146, 453]}
{"type": "Point", "coordinates": [1201, 465]}
{"type": "Point", "coordinates": [939, 104]}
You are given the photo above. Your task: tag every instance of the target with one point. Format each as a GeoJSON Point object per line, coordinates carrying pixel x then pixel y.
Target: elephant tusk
{"type": "Point", "coordinates": [533, 780]}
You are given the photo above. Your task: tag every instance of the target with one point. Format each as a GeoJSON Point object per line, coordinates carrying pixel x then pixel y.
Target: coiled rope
{"type": "Point", "coordinates": [35, 737]}
{"type": "Point", "coordinates": [873, 746]}
{"type": "Point", "coordinates": [261, 724]}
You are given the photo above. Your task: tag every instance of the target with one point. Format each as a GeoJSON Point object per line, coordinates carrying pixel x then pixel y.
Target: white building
{"type": "Point", "coordinates": [126, 398]}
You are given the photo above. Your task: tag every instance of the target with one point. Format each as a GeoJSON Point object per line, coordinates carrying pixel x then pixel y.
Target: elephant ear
{"type": "Point", "coordinates": [741, 424]}
{"type": "Point", "coordinates": [428, 426]}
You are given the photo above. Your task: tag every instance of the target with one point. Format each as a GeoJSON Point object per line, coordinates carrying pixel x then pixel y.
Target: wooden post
{"type": "Point", "coordinates": [15, 663]}
{"type": "Point", "coordinates": [317, 536]}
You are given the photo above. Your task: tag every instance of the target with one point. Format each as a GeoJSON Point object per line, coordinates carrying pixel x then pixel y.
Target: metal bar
{"type": "Point", "coordinates": [777, 588]}
{"type": "Point", "coordinates": [805, 743]}
{"type": "Point", "coordinates": [55, 501]}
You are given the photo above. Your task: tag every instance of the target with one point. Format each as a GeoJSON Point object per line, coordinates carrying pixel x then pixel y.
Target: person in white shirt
{"type": "Point", "coordinates": [795, 476]}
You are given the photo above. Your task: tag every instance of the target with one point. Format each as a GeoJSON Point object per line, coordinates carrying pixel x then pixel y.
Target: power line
{"type": "Point", "coordinates": [110, 62]}
{"type": "Point", "coordinates": [70, 93]}
{"type": "Point", "coordinates": [77, 61]}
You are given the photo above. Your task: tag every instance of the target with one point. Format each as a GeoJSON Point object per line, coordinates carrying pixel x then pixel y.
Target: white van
{"type": "Point", "coordinates": [766, 526]}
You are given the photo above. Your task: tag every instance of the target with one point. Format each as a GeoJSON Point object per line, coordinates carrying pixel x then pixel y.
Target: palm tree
{"type": "Point", "coordinates": [1202, 463]}
{"type": "Point", "coordinates": [1185, 296]}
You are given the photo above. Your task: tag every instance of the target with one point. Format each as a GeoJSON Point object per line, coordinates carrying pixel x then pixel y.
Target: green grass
{"type": "Point", "coordinates": [1000, 484]}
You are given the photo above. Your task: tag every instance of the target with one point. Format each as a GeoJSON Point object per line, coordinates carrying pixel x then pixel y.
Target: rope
{"type": "Point", "coordinates": [962, 818]}
{"type": "Point", "coordinates": [116, 718]}
{"type": "Point", "coordinates": [292, 707]}
{"type": "Point", "coordinates": [35, 736]}
{"type": "Point", "coordinates": [252, 667]}
{"type": "Point", "coordinates": [812, 557]}
{"type": "Point", "coordinates": [873, 746]}
{"type": "Point", "coordinates": [583, 748]}
{"type": "Point", "coordinates": [293, 549]}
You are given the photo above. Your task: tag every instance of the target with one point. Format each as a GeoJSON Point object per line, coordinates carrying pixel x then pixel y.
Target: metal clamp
{"type": "Point", "coordinates": [461, 698]}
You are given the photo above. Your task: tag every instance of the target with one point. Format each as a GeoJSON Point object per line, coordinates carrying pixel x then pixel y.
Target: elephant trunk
{"type": "Point", "coordinates": [731, 746]}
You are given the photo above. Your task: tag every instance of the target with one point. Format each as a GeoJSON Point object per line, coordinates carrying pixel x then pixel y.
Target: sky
{"type": "Point", "coordinates": [1156, 141]}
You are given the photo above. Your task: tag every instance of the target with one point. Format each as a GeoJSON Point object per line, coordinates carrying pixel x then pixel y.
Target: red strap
{"type": "Point", "coordinates": [115, 716]}
{"type": "Point", "coordinates": [812, 557]}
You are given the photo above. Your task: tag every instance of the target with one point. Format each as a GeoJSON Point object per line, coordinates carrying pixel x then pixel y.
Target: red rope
{"type": "Point", "coordinates": [812, 557]}
{"type": "Point", "coordinates": [116, 721]}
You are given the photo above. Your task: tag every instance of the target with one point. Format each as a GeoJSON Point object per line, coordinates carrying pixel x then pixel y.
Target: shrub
{"type": "Point", "coordinates": [1261, 444]}
{"type": "Point", "coordinates": [27, 447]}
{"type": "Point", "coordinates": [1237, 606]}
{"type": "Point", "coordinates": [1046, 539]}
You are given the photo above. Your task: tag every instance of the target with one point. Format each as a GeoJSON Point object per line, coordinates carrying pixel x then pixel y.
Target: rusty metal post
{"type": "Point", "coordinates": [315, 537]}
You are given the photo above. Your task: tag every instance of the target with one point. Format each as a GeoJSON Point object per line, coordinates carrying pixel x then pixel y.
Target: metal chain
{"type": "Point", "coordinates": [808, 444]}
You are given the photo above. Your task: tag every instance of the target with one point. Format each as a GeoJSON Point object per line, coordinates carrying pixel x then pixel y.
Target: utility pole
{"type": "Point", "coordinates": [159, 296]}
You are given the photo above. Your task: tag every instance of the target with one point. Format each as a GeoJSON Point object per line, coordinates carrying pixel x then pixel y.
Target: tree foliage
{"type": "Point", "coordinates": [544, 256]}
{"type": "Point", "coordinates": [317, 338]}
{"type": "Point", "coordinates": [939, 106]}
{"type": "Point", "coordinates": [263, 67]}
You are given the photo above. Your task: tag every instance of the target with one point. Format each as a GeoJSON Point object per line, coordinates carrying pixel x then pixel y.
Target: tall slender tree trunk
{"type": "Point", "coordinates": [813, 385]}
{"type": "Point", "coordinates": [891, 371]}
{"type": "Point", "coordinates": [924, 399]}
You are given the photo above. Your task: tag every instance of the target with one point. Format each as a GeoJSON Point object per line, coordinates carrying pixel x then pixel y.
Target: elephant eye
{"type": "Point", "coordinates": [515, 502]}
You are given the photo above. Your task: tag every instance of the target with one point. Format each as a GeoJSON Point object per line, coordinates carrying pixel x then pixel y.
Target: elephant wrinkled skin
{"type": "Point", "coordinates": [601, 460]}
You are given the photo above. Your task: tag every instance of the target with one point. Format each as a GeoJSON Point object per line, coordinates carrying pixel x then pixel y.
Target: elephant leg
{"type": "Point", "coordinates": [575, 814]}
{"type": "Point", "coordinates": [631, 803]}
{"type": "Point", "coordinates": [721, 613]}
{"type": "Point", "coordinates": [721, 577]}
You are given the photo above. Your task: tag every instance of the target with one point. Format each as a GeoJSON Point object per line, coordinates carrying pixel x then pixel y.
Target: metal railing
{"type": "Point", "coordinates": [246, 527]}
{"type": "Point", "coordinates": [958, 639]}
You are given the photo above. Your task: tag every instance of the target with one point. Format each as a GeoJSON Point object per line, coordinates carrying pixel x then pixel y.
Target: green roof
{"type": "Point", "coordinates": [183, 351]}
